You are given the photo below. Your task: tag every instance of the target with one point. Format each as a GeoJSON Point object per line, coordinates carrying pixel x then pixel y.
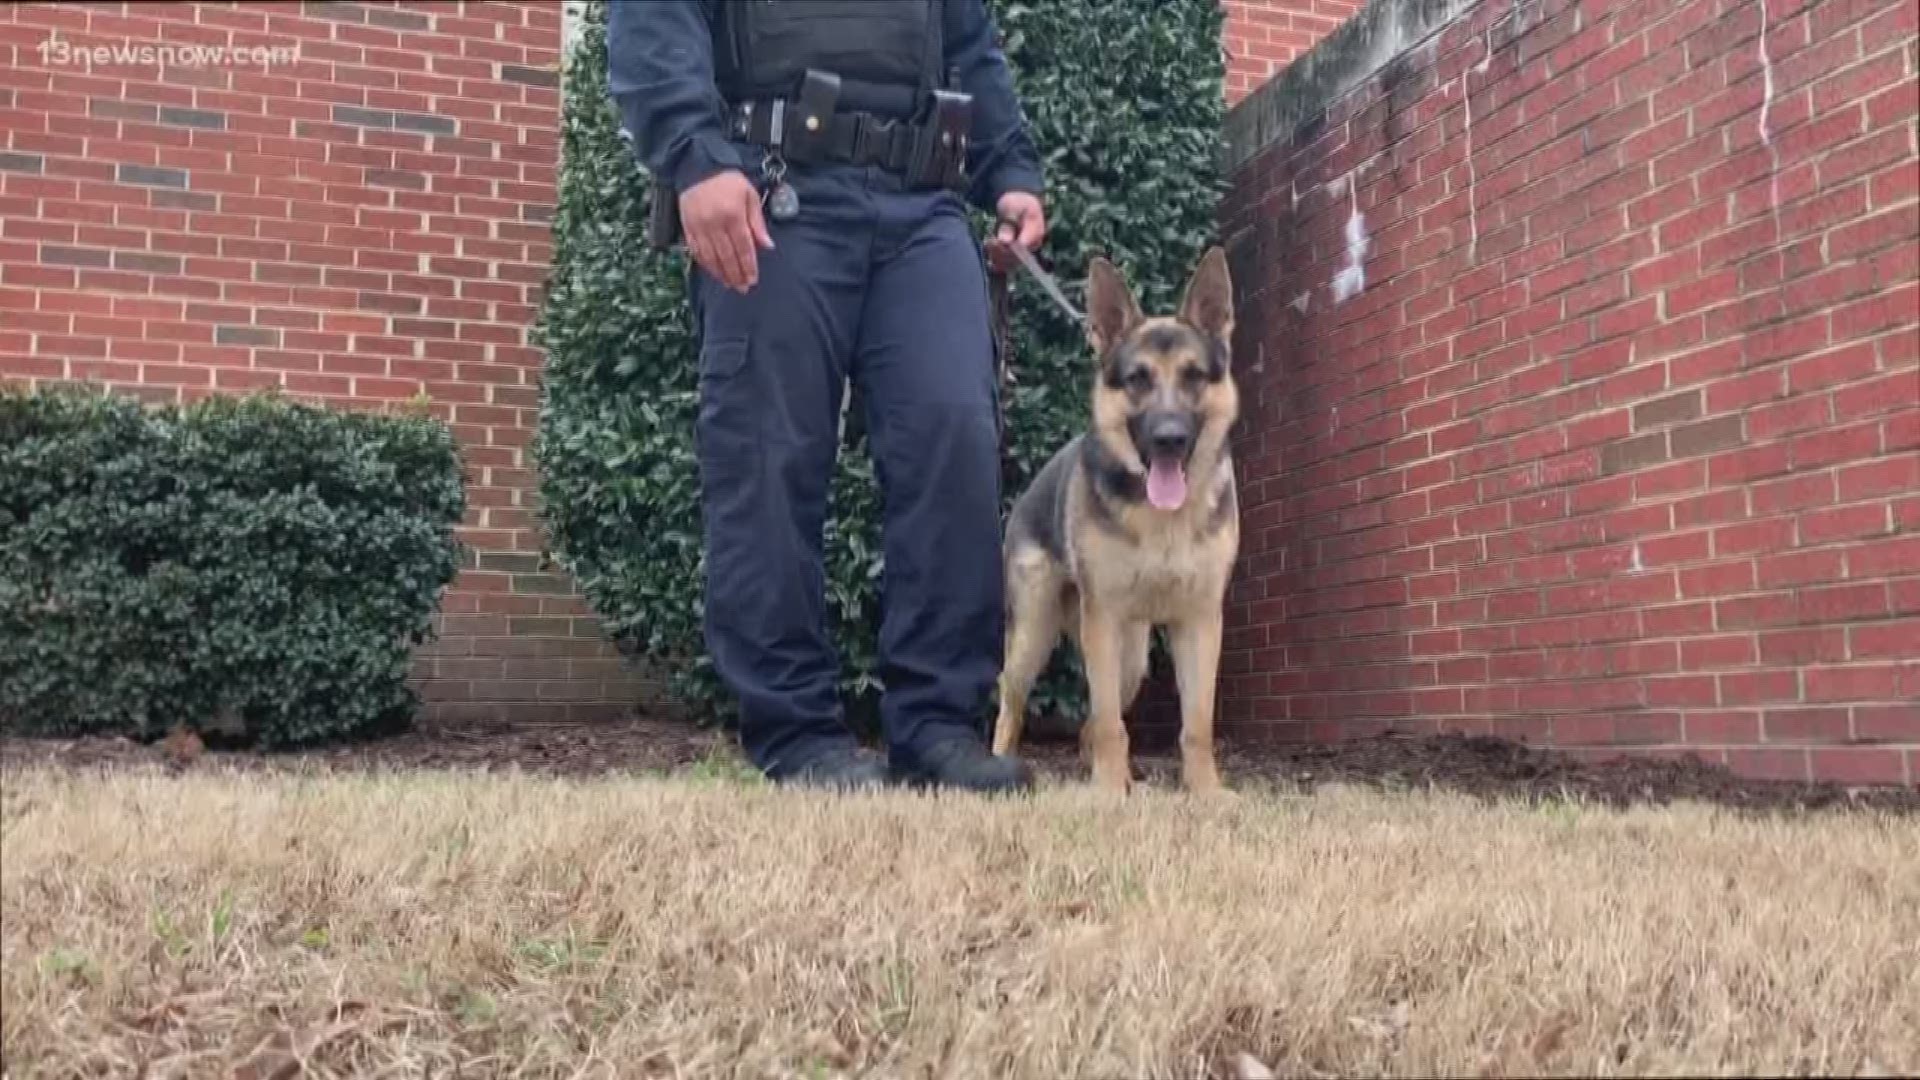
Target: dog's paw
{"type": "Point", "coordinates": [1204, 781]}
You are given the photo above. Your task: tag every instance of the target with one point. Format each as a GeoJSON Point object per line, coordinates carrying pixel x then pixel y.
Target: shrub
{"type": "Point", "coordinates": [1125, 100]}
{"type": "Point", "coordinates": [248, 566]}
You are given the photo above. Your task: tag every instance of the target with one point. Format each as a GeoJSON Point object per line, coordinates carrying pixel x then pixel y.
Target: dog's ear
{"type": "Point", "coordinates": [1208, 303]}
{"type": "Point", "coordinates": [1111, 309]}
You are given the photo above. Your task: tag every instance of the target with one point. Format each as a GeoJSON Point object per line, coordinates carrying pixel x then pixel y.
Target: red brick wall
{"type": "Point", "coordinates": [360, 223]}
{"type": "Point", "coordinates": [1618, 446]}
{"type": "Point", "coordinates": [1261, 36]}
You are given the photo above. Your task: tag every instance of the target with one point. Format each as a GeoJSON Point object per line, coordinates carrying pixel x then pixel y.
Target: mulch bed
{"type": "Point", "coordinates": [1475, 765]}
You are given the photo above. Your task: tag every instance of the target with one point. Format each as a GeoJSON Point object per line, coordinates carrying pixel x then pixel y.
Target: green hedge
{"type": "Point", "coordinates": [1125, 99]}
{"type": "Point", "coordinates": [249, 566]}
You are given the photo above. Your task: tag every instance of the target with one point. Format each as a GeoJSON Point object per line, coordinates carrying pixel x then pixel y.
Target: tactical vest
{"type": "Point", "coordinates": [888, 53]}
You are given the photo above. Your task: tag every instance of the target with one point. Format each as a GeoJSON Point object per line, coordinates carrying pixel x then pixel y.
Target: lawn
{"type": "Point", "coordinates": [246, 923]}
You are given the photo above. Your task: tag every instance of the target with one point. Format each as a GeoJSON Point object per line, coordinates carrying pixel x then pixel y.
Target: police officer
{"type": "Point", "coordinates": [820, 155]}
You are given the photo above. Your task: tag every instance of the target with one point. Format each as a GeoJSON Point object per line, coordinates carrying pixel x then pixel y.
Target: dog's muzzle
{"type": "Point", "coordinates": [1165, 440]}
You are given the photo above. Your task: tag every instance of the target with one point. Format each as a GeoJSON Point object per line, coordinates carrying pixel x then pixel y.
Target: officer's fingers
{"type": "Point", "coordinates": [757, 222]}
{"type": "Point", "coordinates": [733, 258]}
{"type": "Point", "coordinates": [696, 243]}
{"type": "Point", "coordinates": [1032, 228]}
{"type": "Point", "coordinates": [705, 252]}
{"type": "Point", "coordinates": [715, 248]}
{"type": "Point", "coordinates": [739, 256]}
{"type": "Point", "coordinates": [741, 240]}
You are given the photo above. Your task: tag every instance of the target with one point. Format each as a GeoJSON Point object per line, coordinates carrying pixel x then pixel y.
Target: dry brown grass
{"type": "Point", "coordinates": [415, 925]}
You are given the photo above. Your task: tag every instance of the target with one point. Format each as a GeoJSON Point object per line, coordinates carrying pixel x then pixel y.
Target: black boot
{"type": "Point", "coordinates": [965, 763]}
{"type": "Point", "coordinates": [844, 770]}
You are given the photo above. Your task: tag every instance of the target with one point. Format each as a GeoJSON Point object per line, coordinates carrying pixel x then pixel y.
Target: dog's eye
{"type": "Point", "coordinates": [1192, 376]}
{"type": "Point", "coordinates": [1139, 379]}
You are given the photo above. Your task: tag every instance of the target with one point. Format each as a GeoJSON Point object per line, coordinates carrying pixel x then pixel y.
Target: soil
{"type": "Point", "coordinates": [1480, 766]}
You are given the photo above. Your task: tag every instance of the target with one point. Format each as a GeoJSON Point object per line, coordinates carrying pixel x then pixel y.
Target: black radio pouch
{"type": "Point", "coordinates": [805, 138]}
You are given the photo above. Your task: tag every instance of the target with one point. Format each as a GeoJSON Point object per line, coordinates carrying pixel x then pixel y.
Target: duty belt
{"type": "Point", "coordinates": [852, 138]}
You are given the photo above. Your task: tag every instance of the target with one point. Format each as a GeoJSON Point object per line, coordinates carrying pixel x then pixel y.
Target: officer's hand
{"type": "Point", "coordinates": [1022, 220]}
{"type": "Point", "coordinates": [723, 223]}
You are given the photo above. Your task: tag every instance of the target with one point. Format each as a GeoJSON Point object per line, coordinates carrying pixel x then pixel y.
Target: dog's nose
{"type": "Point", "coordinates": [1169, 438]}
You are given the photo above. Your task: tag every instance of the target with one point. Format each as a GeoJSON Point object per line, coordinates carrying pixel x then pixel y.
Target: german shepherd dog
{"type": "Point", "coordinates": [1133, 524]}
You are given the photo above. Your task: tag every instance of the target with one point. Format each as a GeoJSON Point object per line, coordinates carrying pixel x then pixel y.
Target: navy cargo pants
{"type": "Point", "coordinates": [883, 286]}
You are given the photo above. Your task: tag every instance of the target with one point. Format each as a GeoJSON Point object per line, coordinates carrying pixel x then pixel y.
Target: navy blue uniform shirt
{"type": "Point", "coordinates": [661, 74]}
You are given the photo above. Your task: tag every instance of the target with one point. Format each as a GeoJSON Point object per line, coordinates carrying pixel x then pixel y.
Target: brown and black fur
{"type": "Point", "coordinates": [1088, 555]}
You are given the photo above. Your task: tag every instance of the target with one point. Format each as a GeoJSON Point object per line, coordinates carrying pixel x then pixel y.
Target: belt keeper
{"type": "Point", "coordinates": [860, 147]}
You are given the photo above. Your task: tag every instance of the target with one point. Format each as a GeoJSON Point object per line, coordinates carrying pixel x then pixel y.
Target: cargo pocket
{"type": "Point", "coordinates": [722, 360]}
{"type": "Point", "coordinates": [724, 431]}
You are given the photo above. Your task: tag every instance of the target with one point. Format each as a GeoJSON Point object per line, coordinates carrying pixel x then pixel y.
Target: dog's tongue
{"type": "Point", "coordinates": [1166, 485]}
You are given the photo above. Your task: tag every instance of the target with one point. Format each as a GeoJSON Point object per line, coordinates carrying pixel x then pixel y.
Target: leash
{"type": "Point", "coordinates": [1001, 259]}
{"type": "Point", "coordinates": [1000, 301]}
{"type": "Point", "coordinates": [1052, 287]}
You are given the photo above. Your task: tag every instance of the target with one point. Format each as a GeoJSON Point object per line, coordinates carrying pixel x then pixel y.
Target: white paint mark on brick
{"type": "Point", "coordinates": [1766, 109]}
{"type": "Point", "coordinates": [1352, 278]}
{"type": "Point", "coordinates": [1636, 564]}
{"type": "Point", "coordinates": [1473, 170]}
{"type": "Point", "coordinates": [1766, 75]}
{"type": "Point", "coordinates": [1302, 302]}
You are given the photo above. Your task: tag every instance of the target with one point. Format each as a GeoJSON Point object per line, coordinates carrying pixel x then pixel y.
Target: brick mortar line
{"type": "Point", "coordinates": [1637, 503]}
{"type": "Point", "coordinates": [1625, 405]}
{"type": "Point", "coordinates": [1890, 580]}
{"type": "Point", "coordinates": [1337, 376]}
{"type": "Point", "coordinates": [1640, 503]}
{"type": "Point", "coordinates": [494, 264]}
{"type": "Point", "coordinates": [1638, 609]}
{"type": "Point", "coordinates": [1744, 668]}
{"type": "Point", "coordinates": [1908, 755]}
{"type": "Point", "coordinates": [1499, 471]}
{"type": "Point", "coordinates": [275, 306]}
{"type": "Point", "coordinates": [1841, 623]}
{"type": "Point", "coordinates": [1303, 389]}
{"type": "Point", "coordinates": [1681, 713]}
{"type": "Point", "coordinates": [1660, 676]}
{"type": "Point", "coordinates": [1756, 709]}
{"type": "Point", "coordinates": [1508, 467]}
{"type": "Point", "coordinates": [1890, 747]}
